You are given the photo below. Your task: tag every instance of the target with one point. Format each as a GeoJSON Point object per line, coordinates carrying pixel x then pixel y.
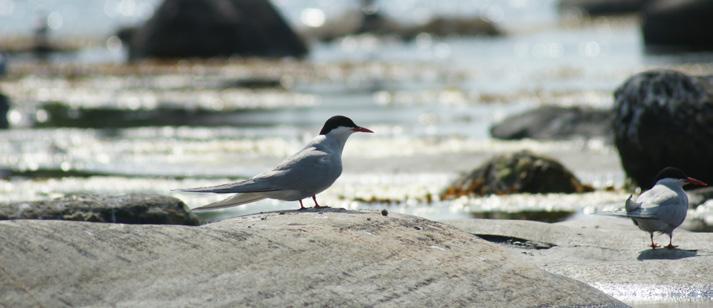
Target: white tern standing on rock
{"type": "Point", "coordinates": [305, 174]}
{"type": "Point", "coordinates": [663, 207]}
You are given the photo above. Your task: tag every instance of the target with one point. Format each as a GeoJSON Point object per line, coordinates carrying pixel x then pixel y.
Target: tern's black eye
{"type": "Point", "coordinates": [336, 121]}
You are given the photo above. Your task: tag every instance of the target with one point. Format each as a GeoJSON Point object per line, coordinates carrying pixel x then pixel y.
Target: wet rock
{"type": "Point", "coordinates": [214, 28]}
{"type": "Point", "coordinates": [519, 172]}
{"type": "Point", "coordinates": [612, 255]}
{"type": "Point", "coordinates": [675, 25]}
{"type": "Point", "coordinates": [602, 7]}
{"type": "Point", "coordinates": [453, 26]}
{"type": "Point", "coordinates": [664, 118]}
{"type": "Point", "coordinates": [125, 209]}
{"type": "Point", "coordinates": [536, 215]}
{"type": "Point", "coordinates": [330, 257]}
{"type": "Point", "coordinates": [553, 123]}
{"type": "Point", "coordinates": [4, 109]}
{"type": "Point", "coordinates": [440, 26]}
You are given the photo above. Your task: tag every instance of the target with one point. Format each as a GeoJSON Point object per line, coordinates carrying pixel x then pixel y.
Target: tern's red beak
{"type": "Point", "coordinates": [696, 182]}
{"type": "Point", "coordinates": [362, 129]}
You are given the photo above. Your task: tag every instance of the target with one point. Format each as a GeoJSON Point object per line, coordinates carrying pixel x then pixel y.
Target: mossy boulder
{"type": "Point", "coordinates": [519, 172]}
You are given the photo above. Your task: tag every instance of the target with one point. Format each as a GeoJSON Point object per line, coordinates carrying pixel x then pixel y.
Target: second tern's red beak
{"type": "Point", "coordinates": [362, 129]}
{"type": "Point", "coordinates": [696, 182]}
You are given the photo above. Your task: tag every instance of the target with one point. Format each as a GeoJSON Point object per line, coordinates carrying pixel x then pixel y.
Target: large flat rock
{"type": "Point", "coordinates": [611, 254]}
{"type": "Point", "coordinates": [313, 258]}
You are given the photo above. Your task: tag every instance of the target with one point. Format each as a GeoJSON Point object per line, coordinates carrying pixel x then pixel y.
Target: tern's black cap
{"type": "Point", "coordinates": [671, 173]}
{"type": "Point", "coordinates": [337, 121]}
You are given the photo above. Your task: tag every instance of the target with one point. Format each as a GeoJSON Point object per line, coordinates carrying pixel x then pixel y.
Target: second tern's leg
{"type": "Point", "coordinates": [316, 205]}
{"type": "Point", "coordinates": [670, 241]}
{"type": "Point", "coordinates": [653, 245]}
{"type": "Point", "coordinates": [302, 207]}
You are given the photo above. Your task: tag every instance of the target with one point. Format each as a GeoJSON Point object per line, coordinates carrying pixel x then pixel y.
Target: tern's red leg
{"type": "Point", "coordinates": [653, 245]}
{"type": "Point", "coordinates": [302, 207]}
{"type": "Point", "coordinates": [670, 242]}
{"type": "Point", "coordinates": [316, 205]}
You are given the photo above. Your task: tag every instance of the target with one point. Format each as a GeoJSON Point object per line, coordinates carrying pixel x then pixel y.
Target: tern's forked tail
{"type": "Point", "coordinates": [232, 201]}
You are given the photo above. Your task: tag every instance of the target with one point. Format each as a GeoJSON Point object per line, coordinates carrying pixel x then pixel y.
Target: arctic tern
{"type": "Point", "coordinates": [663, 207]}
{"type": "Point", "coordinates": [305, 174]}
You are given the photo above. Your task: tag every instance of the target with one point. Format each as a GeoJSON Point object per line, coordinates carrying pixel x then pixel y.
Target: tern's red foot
{"type": "Point", "coordinates": [654, 245]}
{"type": "Point", "coordinates": [670, 246]}
{"type": "Point", "coordinates": [302, 207]}
{"type": "Point", "coordinates": [316, 205]}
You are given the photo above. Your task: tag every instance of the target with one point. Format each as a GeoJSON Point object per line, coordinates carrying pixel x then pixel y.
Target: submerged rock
{"type": "Point", "coordinates": [611, 254]}
{"type": "Point", "coordinates": [520, 172]}
{"type": "Point", "coordinates": [664, 118]}
{"type": "Point", "coordinates": [677, 25]}
{"type": "Point", "coordinates": [214, 28]}
{"type": "Point", "coordinates": [328, 257]}
{"type": "Point", "coordinates": [555, 122]}
{"type": "Point", "coordinates": [602, 7]}
{"type": "Point", "coordinates": [125, 209]}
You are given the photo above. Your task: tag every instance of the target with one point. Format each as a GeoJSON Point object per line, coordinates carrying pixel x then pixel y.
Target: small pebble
{"type": "Point", "coordinates": [384, 212]}
{"type": "Point", "coordinates": [263, 218]}
{"type": "Point", "coordinates": [368, 218]}
{"type": "Point", "coordinates": [417, 228]}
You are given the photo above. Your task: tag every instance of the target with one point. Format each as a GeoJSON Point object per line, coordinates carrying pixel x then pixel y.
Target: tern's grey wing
{"type": "Point", "coordinates": [306, 171]}
{"type": "Point", "coordinates": [309, 170]}
{"type": "Point", "coordinates": [657, 196]}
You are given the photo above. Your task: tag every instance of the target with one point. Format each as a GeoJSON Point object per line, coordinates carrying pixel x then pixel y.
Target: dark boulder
{"type": "Point", "coordinates": [664, 118]}
{"type": "Point", "coordinates": [519, 172]}
{"type": "Point", "coordinates": [678, 25]}
{"type": "Point", "coordinates": [555, 123]}
{"type": "Point", "coordinates": [214, 28]}
{"type": "Point", "coordinates": [126, 209]}
{"type": "Point", "coordinates": [602, 7]}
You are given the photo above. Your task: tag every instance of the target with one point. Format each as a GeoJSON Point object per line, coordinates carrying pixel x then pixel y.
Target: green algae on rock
{"type": "Point", "coordinates": [519, 172]}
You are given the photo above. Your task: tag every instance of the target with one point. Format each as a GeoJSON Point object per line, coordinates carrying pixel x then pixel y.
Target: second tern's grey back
{"type": "Point", "coordinates": [667, 204]}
